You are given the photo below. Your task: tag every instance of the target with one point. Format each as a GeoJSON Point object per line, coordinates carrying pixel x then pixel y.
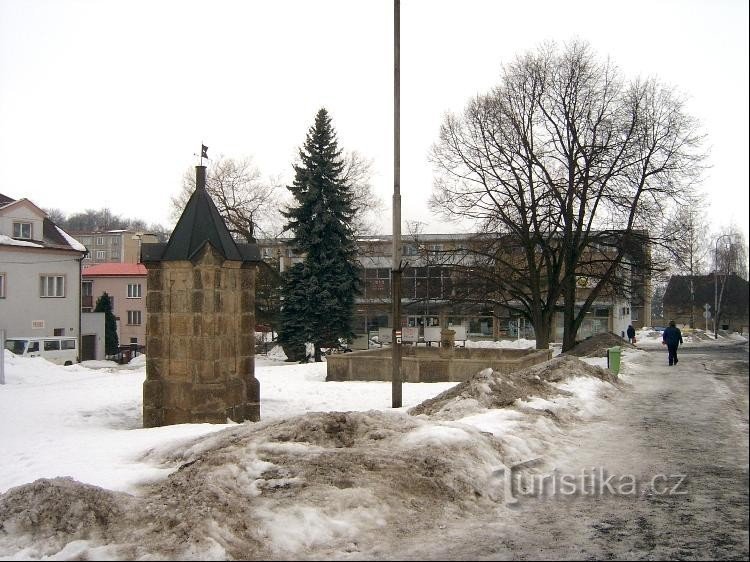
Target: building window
{"type": "Point", "coordinates": [134, 290]}
{"type": "Point", "coordinates": [59, 332]}
{"type": "Point", "coordinates": [134, 317]}
{"type": "Point", "coordinates": [409, 250]}
{"type": "Point", "coordinates": [133, 340]}
{"type": "Point", "coordinates": [52, 286]}
{"type": "Point", "coordinates": [100, 241]}
{"type": "Point", "coordinates": [87, 298]}
{"type": "Point", "coordinates": [22, 230]}
{"type": "Point", "coordinates": [101, 255]}
{"type": "Point", "coordinates": [2, 285]}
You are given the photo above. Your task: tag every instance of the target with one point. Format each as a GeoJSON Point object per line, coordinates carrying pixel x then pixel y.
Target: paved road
{"type": "Point", "coordinates": [688, 423]}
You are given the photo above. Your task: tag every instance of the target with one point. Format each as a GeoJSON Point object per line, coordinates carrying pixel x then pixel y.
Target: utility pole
{"type": "Point", "coordinates": [396, 268]}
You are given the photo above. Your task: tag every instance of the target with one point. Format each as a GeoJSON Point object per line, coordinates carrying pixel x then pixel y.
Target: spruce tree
{"type": "Point", "coordinates": [111, 341]}
{"type": "Point", "coordinates": [294, 330]}
{"type": "Point", "coordinates": [319, 295]}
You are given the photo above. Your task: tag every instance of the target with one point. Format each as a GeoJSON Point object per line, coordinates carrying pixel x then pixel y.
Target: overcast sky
{"type": "Point", "coordinates": [104, 103]}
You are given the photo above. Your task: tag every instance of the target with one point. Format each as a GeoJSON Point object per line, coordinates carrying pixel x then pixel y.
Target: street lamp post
{"type": "Point", "coordinates": [396, 270]}
{"type": "Point", "coordinates": [716, 281]}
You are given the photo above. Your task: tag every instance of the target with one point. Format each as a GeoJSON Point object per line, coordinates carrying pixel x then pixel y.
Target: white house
{"type": "Point", "coordinates": [40, 273]}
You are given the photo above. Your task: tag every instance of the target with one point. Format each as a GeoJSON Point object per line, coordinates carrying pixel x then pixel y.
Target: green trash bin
{"type": "Point", "coordinates": [613, 359]}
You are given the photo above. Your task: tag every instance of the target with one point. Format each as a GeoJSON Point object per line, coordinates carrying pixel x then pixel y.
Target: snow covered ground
{"type": "Point", "coordinates": [329, 467]}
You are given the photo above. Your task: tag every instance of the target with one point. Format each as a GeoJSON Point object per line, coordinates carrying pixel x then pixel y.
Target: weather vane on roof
{"type": "Point", "coordinates": [204, 153]}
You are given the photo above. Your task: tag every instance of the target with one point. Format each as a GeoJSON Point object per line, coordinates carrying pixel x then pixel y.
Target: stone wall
{"type": "Point", "coordinates": [424, 364]}
{"type": "Point", "coordinates": [200, 341]}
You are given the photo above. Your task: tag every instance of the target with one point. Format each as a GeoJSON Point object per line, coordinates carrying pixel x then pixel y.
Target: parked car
{"type": "Point", "coordinates": [62, 350]}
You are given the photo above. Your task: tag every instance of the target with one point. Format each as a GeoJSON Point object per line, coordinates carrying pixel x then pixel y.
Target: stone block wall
{"type": "Point", "coordinates": [424, 364]}
{"type": "Point", "coordinates": [200, 341]}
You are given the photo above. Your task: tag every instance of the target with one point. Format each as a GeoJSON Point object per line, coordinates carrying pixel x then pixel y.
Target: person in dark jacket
{"type": "Point", "coordinates": [631, 334]}
{"type": "Point", "coordinates": [672, 338]}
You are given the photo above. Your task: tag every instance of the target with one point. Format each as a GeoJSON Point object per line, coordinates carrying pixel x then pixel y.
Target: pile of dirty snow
{"type": "Point", "coordinates": [332, 482]}
{"type": "Point", "coordinates": [596, 346]}
{"type": "Point", "coordinates": [323, 485]}
{"type": "Point", "coordinates": [491, 389]}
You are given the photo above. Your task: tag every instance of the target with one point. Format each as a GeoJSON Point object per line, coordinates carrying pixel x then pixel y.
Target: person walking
{"type": "Point", "coordinates": [631, 334]}
{"type": "Point", "coordinates": [672, 338]}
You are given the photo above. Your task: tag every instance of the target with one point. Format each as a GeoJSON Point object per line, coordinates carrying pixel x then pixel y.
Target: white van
{"type": "Point", "coordinates": [56, 349]}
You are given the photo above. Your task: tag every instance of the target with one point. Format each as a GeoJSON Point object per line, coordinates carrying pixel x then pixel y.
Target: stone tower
{"type": "Point", "coordinates": [200, 321]}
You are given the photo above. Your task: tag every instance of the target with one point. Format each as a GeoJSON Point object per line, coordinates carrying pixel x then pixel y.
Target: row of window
{"type": "Point", "coordinates": [49, 345]}
{"type": "Point", "coordinates": [99, 241]}
{"type": "Point", "coordinates": [102, 255]}
{"type": "Point", "coordinates": [406, 250]}
{"type": "Point", "coordinates": [413, 250]}
{"type": "Point", "coordinates": [49, 285]}
{"type": "Point", "coordinates": [411, 288]}
{"type": "Point", "coordinates": [434, 272]}
{"type": "Point", "coordinates": [54, 286]}
{"type": "Point", "coordinates": [135, 290]}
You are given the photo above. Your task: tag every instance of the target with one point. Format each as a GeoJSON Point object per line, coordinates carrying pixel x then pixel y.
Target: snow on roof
{"type": "Point", "coordinates": [8, 241]}
{"type": "Point", "coordinates": [70, 240]}
{"type": "Point", "coordinates": [115, 270]}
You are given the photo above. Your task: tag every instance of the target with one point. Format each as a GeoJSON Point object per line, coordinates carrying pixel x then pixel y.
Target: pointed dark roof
{"type": "Point", "coordinates": [200, 223]}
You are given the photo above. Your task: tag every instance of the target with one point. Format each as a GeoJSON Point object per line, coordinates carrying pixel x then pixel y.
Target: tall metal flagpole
{"type": "Point", "coordinates": [396, 269]}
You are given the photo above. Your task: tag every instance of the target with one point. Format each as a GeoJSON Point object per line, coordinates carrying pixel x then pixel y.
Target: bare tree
{"type": "Point", "coordinates": [103, 219]}
{"type": "Point", "coordinates": [689, 246]}
{"type": "Point", "coordinates": [367, 206]}
{"type": "Point", "coordinates": [56, 216]}
{"type": "Point", "coordinates": [731, 257]}
{"type": "Point", "coordinates": [568, 171]}
{"type": "Point", "coordinates": [249, 204]}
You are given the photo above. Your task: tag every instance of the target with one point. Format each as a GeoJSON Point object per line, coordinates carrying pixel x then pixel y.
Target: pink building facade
{"type": "Point", "coordinates": [125, 283]}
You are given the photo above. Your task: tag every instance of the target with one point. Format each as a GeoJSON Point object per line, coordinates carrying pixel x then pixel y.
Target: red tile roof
{"type": "Point", "coordinates": [115, 270]}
